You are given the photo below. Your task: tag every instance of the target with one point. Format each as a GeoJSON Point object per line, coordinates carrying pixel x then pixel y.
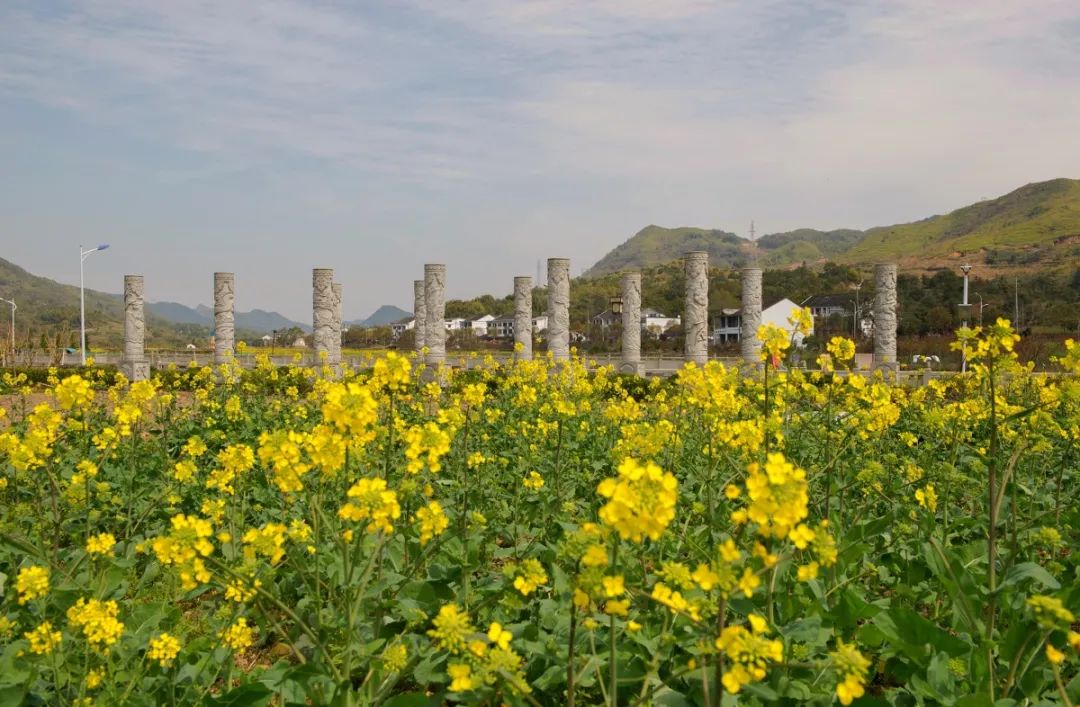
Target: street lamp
{"type": "Point", "coordinates": [83, 255]}
{"type": "Point", "coordinates": [855, 319]}
{"type": "Point", "coordinates": [616, 311]}
{"type": "Point", "coordinates": [13, 308]}
{"type": "Point", "coordinates": [981, 307]}
{"type": "Point", "coordinates": [965, 310]}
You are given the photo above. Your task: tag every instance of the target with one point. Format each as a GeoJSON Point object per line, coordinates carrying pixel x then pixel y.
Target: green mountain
{"type": "Point", "coordinates": [383, 316]}
{"type": "Point", "coordinates": [254, 323]}
{"type": "Point", "coordinates": [804, 245]}
{"type": "Point", "coordinates": [656, 245]}
{"type": "Point", "coordinates": [1038, 222]}
{"type": "Point", "coordinates": [260, 321]}
{"type": "Point", "coordinates": [1034, 227]}
{"type": "Point", "coordinates": [49, 309]}
{"type": "Point", "coordinates": [180, 313]}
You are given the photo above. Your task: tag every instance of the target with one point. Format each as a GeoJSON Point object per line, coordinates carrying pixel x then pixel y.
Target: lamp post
{"type": "Point", "coordinates": [965, 309]}
{"type": "Point", "coordinates": [616, 310]}
{"type": "Point", "coordinates": [854, 322]}
{"type": "Point", "coordinates": [981, 307]}
{"type": "Point", "coordinates": [83, 255]}
{"type": "Point", "coordinates": [13, 308]}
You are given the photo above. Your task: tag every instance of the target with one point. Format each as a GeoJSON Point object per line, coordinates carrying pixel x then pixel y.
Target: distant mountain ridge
{"type": "Point", "coordinates": [1035, 226]}
{"type": "Point", "coordinates": [383, 316]}
{"type": "Point", "coordinates": [257, 321]}
{"type": "Point", "coordinates": [49, 307]}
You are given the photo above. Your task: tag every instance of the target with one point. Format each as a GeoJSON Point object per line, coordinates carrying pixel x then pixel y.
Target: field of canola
{"type": "Point", "coordinates": [543, 535]}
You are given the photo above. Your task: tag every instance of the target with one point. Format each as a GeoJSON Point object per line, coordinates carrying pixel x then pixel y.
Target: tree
{"type": "Point", "coordinates": [939, 320]}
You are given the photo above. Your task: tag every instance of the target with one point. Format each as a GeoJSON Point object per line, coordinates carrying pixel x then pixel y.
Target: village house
{"type": "Point", "coordinates": [727, 326]}
{"type": "Point", "coordinates": [402, 325]}
{"type": "Point", "coordinates": [503, 327]}
{"type": "Point", "coordinates": [480, 325]}
{"type": "Point", "coordinates": [652, 322]}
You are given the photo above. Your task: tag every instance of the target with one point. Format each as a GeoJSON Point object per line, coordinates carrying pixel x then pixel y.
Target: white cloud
{"type": "Point", "coordinates": [559, 126]}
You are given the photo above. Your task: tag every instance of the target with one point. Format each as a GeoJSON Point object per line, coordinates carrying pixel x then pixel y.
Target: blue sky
{"type": "Point", "coordinates": [271, 137]}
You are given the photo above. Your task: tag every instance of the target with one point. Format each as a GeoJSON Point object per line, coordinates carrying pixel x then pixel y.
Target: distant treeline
{"type": "Point", "coordinates": [928, 303]}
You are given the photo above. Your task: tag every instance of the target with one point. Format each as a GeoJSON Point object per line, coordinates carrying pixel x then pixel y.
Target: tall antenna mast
{"type": "Point", "coordinates": [752, 236]}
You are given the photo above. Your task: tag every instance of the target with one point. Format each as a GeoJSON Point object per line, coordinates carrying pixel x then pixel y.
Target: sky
{"type": "Point", "coordinates": [268, 138]}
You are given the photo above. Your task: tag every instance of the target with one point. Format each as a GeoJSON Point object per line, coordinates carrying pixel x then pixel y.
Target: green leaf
{"type": "Point", "coordinates": [959, 583]}
{"type": "Point", "coordinates": [12, 694]}
{"type": "Point", "coordinates": [408, 699]}
{"type": "Point", "coordinates": [1028, 570]}
{"type": "Point", "coordinates": [666, 697]}
{"type": "Point", "coordinates": [428, 670]}
{"type": "Point", "coordinates": [253, 694]}
{"type": "Point", "coordinates": [939, 675]}
{"type": "Point", "coordinates": [807, 630]}
{"type": "Point", "coordinates": [915, 637]}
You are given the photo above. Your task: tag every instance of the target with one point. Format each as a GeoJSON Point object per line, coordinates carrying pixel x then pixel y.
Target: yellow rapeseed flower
{"type": "Point", "coordinates": [238, 636]}
{"type": "Point", "coordinates": [43, 639]}
{"type": "Point", "coordinates": [373, 502]}
{"type": "Point", "coordinates": [32, 583]}
{"type": "Point", "coordinates": [164, 649]}
{"type": "Point", "coordinates": [641, 500]}
{"type": "Point", "coordinates": [101, 544]}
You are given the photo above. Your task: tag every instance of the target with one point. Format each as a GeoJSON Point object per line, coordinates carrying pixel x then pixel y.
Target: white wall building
{"type": "Point", "coordinates": [480, 326]}
{"type": "Point", "coordinates": [727, 327]}
{"type": "Point", "coordinates": [503, 327]}
{"type": "Point", "coordinates": [402, 325]}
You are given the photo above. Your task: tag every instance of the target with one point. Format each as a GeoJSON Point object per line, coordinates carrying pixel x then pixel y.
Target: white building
{"type": "Point", "coordinates": [727, 327]}
{"type": "Point", "coordinates": [480, 326]}
{"type": "Point", "coordinates": [457, 324]}
{"type": "Point", "coordinates": [503, 327]}
{"type": "Point", "coordinates": [653, 322]}
{"type": "Point", "coordinates": [656, 323]}
{"type": "Point", "coordinates": [402, 325]}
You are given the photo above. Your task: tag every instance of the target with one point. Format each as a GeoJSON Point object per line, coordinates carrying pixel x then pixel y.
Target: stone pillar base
{"type": "Point", "coordinates": [135, 370]}
{"type": "Point", "coordinates": [434, 373]}
{"type": "Point", "coordinates": [631, 368]}
{"type": "Point", "coordinates": [890, 370]}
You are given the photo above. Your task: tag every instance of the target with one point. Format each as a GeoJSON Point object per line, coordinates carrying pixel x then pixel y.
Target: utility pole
{"type": "Point", "coordinates": [1016, 302]}
{"type": "Point", "coordinates": [13, 308]}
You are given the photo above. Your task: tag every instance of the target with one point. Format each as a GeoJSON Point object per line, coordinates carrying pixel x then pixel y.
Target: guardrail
{"type": "Point", "coordinates": [655, 366]}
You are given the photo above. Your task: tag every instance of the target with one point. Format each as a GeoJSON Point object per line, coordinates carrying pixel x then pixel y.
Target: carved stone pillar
{"type": "Point", "coordinates": [558, 274]}
{"type": "Point", "coordinates": [630, 361]}
{"type": "Point", "coordinates": [749, 343]}
{"type": "Point", "coordinates": [224, 327]}
{"type": "Point", "coordinates": [335, 343]}
{"type": "Point", "coordinates": [322, 313]}
{"type": "Point", "coordinates": [884, 315]}
{"type": "Point", "coordinates": [696, 311]}
{"type": "Point", "coordinates": [435, 311]}
{"type": "Point", "coordinates": [523, 333]}
{"type": "Point", "coordinates": [419, 315]}
{"type": "Point", "coordinates": [134, 364]}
